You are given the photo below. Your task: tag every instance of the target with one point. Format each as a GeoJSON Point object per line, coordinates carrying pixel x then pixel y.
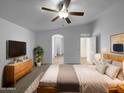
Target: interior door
{"type": "Point", "coordinates": [91, 49]}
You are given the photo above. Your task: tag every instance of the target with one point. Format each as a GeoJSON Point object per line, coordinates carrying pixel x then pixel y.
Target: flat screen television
{"type": "Point", "coordinates": [15, 48]}
{"type": "Point", "coordinates": [118, 48]}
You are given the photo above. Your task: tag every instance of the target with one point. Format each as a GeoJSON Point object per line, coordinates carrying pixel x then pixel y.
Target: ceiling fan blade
{"type": "Point", "coordinates": [76, 13]}
{"type": "Point", "coordinates": [66, 3]}
{"type": "Point", "coordinates": [54, 19]}
{"type": "Point", "coordinates": [68, 20]}
{"type": "Point", "coordinates": [48, 9]}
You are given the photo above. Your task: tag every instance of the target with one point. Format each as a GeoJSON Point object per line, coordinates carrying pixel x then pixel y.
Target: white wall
{"type": "Point", "coordinates": [110, 22]}
{"type": "Point", "coordinates": [10, 31]}
{"type": "Point", "coordinates": [71, 42]}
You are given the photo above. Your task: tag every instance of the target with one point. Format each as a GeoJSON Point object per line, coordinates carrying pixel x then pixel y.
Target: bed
{"type": "Point", "coordinates": [90, 80]}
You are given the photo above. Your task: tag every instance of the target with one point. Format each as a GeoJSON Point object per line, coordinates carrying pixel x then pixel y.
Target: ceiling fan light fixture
{"type": "Point", "coordinates": [63, 14]}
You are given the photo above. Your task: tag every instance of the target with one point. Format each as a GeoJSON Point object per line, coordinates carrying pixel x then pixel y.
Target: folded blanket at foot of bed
{"type": "Point", "coordinates": [67, 80]}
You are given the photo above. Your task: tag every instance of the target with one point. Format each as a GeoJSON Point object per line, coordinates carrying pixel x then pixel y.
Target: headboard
{"type": "Point", "coordinates": [114, 57]}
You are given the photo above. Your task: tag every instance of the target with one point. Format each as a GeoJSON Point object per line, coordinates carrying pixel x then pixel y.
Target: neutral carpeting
{"type": "Point", "coordinates": [26, 81]}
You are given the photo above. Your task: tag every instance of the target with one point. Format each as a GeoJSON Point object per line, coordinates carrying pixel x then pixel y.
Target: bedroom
{"type": "Point", "coordinates": [15, 25]}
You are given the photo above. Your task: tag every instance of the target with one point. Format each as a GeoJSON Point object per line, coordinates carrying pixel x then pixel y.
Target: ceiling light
{"type": "Point", "coordinates": [63, 14]}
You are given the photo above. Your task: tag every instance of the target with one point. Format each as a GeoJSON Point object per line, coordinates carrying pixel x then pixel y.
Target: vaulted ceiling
{"type": "Point", "coordinates": [28, 13]}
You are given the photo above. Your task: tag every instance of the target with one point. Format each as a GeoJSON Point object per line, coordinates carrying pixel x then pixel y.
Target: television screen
{"type": "Point", "coordinates": [15, 48]}
{"type": "Point", "coordinates": [118, 47]}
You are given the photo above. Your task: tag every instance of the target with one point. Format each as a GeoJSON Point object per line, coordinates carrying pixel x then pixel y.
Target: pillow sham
{"type": "Point", "coordinates": [117, 63]}
{"type": "Point", "coordinates": [112, 71]}
{"type": "Point", "coordinates": [96, 61]}
{"type": "Point", "coordinates": [101, 68]}
{"type": "Point", "coordinates": [120, 75]}
{"type": "Point", "coordinates": [106, 60]}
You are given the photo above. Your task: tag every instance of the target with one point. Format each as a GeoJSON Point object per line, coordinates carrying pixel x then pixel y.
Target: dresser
{"type": "Point", "coordinates": [13, 72]}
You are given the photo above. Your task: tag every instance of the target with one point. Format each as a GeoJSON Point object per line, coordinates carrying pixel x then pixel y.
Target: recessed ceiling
{"type": "Point", "coordinates": [27, 13]}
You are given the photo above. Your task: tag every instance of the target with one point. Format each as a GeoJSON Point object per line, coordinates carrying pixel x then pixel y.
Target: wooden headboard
{"type": "Point", "coordinates": [114, 57]}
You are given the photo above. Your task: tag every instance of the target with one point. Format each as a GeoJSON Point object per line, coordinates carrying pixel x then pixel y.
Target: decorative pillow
{"type": "Point", "coordinates": [107, 60]}
{"type": "Point", "coordinates": [120, 75]}
{"type": "Point", "coordinates": [117, 63]}
{"type": "Point", "coordinates": [112, 71]}
{"type": "Point", "coordinates": [101, 68]}
{"type": "Point", "coordinates": [96, 61]}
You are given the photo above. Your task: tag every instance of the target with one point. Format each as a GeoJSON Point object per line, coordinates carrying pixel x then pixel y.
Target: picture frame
{"type": "Point", "coordinates": [117, 43]}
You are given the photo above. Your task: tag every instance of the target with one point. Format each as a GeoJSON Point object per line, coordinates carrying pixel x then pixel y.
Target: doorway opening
{"type": "Point", "coordinates": [87, 49]}
{"type": "Point", "coordinates": [57, 49]}
{"type": "Point", "coordinates": [83, 50]}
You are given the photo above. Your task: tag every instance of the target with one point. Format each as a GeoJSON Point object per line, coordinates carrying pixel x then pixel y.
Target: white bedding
{"type": "Point", "coordinates": [50, 77]}
{"type": "Point", "coordinates": [90, 80]}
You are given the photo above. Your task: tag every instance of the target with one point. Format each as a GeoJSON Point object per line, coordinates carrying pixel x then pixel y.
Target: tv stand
{"type": "Point", "coordinates": [13, 72]}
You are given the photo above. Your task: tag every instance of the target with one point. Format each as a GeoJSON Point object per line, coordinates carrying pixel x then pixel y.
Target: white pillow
{"type": "Point", "coordinates": [101, 68]}
{"type": "Point", "coordinates": [117, 63]}
{"type": "Point", "coordinates": [106, 60]}
{"type": "Point", "coordinates": [120, 75]}
{"type": "Point", "coordinates": [112, 71]}
{"type": "Point", "coordinates": [96, 62]}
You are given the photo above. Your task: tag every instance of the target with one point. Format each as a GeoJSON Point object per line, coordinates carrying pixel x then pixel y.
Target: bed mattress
{"type": "Point", "coordinates": [90, 80]}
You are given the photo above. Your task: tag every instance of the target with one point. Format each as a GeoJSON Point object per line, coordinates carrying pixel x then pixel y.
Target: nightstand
{"type": "Point", "coordinates": [112, 90]}
{"type": "Point", "coordinates": [120, 88]}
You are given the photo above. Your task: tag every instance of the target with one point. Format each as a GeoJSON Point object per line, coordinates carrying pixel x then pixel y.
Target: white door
{"type": "Point", "coordinates": [91, 49]}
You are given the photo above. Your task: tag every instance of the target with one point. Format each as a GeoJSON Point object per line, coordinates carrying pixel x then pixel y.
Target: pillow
{"type": "Point", "coordinates": [112, 71]}
{"type": "Point", "coordinates": [101, 68]}
{"type": "Point", "coordinates": [117, 63]}
{"type": "Point", "coordinates": [120, 75]}
{"type": "Point", "coordinates": [106, 60]}
{"type": "Point", "coordinates": [96, 61]}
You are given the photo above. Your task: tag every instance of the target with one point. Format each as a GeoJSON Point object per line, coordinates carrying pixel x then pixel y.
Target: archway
{"type": "Point", "coordinates": [57, 49]}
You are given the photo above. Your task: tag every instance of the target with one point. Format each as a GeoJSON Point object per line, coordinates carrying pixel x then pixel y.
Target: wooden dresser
{"type": "Point", "coordinates": [13, 72]}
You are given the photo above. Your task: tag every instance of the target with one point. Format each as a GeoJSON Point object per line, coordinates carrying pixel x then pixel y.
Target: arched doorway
{"type": "Point", "coordinates": [57, 49]}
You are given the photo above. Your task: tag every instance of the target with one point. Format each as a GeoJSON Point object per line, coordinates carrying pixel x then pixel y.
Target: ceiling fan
{"type": "Point", "coordinates": [63, 12]}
